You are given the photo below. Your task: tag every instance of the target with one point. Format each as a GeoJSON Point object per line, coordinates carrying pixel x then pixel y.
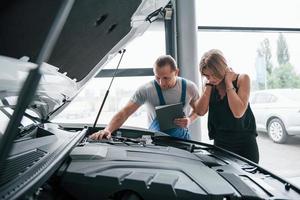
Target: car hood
{"type": "Point", "coordinates": [95, 31]}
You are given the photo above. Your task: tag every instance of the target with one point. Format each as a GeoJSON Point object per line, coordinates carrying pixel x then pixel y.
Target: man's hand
{"type": "Point", "coordinates": [183, 122]}
{"type": "Point", "coordinates": [100, 135]}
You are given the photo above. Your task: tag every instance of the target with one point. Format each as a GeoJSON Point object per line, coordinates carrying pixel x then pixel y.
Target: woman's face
{"type": "Point", "coordinates": [211, 77]}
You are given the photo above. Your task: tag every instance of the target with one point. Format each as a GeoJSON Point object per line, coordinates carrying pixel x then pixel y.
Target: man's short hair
{"type": "Point", "coordinates": [164, 60]}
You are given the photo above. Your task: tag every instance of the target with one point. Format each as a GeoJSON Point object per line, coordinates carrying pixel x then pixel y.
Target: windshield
{"type": "Point", "coordinates": [13, 74]}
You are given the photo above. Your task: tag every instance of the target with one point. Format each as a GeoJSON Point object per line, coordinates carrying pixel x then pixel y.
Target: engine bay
{"type": "Point", "coordinates": [133, 164]}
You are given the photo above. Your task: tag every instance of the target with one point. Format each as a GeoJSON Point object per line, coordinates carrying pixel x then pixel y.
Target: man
{"type": "Point", "coordinates": [167, 88]}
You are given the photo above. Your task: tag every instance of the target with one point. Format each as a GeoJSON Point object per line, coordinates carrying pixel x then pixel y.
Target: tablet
{"type": "Point", "coordinates": [167, 113]}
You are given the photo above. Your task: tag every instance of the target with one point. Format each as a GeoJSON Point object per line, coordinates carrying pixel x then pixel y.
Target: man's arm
{"type": "Point", "coordinates": [116, 122]}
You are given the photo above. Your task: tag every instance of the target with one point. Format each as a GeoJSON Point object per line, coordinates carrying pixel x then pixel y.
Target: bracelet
{"type": "Point", "coordinates": [230, 89]}
{"type": "Point", "coordinates": [209, 84]}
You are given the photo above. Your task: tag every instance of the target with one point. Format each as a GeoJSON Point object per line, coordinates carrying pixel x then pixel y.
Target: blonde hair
{"type": "Point", "coordinates": [214, 61]}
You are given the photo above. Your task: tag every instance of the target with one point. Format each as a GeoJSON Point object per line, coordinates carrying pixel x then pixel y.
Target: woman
{"type": "Point", "coordinates": [231, 122]}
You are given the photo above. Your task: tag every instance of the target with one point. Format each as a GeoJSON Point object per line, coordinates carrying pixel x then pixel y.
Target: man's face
{"type": "Point", "coordinates": [165, 76]}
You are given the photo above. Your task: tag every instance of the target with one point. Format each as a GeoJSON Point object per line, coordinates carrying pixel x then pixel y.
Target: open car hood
{"type": "Point", "coordinates": [94, 33]}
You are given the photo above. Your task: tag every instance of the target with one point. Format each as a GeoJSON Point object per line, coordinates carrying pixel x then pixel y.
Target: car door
{"type": "Point", "coordinates": [261, 107]}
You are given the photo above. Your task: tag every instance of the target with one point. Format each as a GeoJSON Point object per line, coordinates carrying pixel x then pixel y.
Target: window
{"type": "Point", "coordinates": [261, 38]}
{"type": "Point", "coordinates": [136, 68]}
{"type": "Point", "coordinates": [254, 13]}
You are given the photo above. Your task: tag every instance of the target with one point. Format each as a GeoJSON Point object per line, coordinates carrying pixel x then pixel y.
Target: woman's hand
{"type": "Point", "coordinates": [229, 76]}
{"type": "Point", "coordinates": [183, 122]}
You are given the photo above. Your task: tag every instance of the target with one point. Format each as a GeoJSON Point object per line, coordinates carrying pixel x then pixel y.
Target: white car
{"type": "Point", "coordinates": [277, 112]}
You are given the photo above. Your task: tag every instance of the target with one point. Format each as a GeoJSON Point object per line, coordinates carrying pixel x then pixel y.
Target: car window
{"type": "Point", "coordinates": [262, 98]}
{"type": "Point", "coordinates": [273, 98]}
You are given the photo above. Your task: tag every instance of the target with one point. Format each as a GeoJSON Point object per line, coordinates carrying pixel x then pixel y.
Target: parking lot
{"type": "Point", "coordinates": [282, 159]}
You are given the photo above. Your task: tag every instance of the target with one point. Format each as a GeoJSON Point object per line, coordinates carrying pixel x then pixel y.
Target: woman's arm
{"type": "Point", "coordinates": [202, 104]}
{"type": "Point", "coordinates": [238, 101]}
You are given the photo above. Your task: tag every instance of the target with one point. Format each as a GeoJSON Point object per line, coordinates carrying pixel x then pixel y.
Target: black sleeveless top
{"type": "Point", "coordinates": [222, 123]}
